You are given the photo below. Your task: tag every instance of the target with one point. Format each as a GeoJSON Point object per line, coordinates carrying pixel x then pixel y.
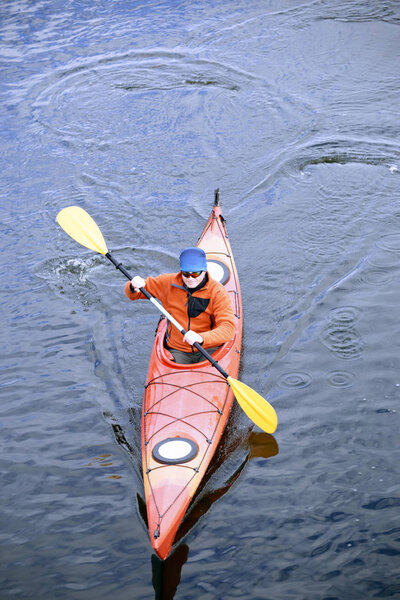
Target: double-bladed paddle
{"type": "Point", "coordinates": [81, 227]}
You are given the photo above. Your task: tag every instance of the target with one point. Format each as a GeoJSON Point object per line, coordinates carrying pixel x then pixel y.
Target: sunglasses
{"type": "Point", "coordinates": [193, 274]}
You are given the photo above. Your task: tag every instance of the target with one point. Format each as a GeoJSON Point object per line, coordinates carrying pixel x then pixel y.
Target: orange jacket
{"type": "Point", "coordinates": [207, 311]}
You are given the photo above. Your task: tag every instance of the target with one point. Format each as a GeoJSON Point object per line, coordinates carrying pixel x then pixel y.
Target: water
{"type": "Point", "coordinates": [136, 111]}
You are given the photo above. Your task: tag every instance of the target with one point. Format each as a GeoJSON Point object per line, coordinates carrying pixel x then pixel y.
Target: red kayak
{"type": "Point", "coordinates": [186, 407]}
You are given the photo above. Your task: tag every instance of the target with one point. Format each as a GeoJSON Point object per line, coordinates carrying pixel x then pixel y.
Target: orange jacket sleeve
{"type": "Point", "coordinates": [156, 286]}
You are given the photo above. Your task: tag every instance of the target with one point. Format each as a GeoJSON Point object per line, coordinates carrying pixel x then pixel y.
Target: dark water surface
{"type": "Point", "coordinates": [136, 111]}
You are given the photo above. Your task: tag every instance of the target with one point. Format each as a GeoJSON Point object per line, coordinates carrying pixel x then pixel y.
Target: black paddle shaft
{"type": "Point", "coordinates": [198, 347]}
{"type": "Point", "coordinates": [118, 265]}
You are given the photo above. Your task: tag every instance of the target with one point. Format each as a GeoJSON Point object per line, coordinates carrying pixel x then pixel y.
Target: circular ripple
{"type": "Point", "coordinates": [340, 379]}
{"type": "Point", "coordinates": [360, 228]}
{"type": "Point", "coordinates": [376, 277]}
{"type": "Point", "coordinates": [324, 254]}
{"type": "Point", "coordinates": [71, 102]}
{"type": "Point", "coordinates": [320, 232]}
{"type": "Point", "coordinates": [294, 380]}
{"type": "Point", "coordinates": [390, 242]}
{"type": "Point", "coordinates": [384, 259]}
{"type": "Point", "coordinates": [343, 341]}
{"type": "Point", "coordinates": [344, 314]}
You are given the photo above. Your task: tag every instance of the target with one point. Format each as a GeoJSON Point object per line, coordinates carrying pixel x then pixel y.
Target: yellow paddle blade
{"type": "Point", "coordinates": [256, 408]}
{"type": "Point", "coordinates": [80, 226]}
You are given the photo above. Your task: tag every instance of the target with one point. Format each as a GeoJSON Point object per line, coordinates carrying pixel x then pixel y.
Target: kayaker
{"type": "Point", "coordinates": [194, 299]}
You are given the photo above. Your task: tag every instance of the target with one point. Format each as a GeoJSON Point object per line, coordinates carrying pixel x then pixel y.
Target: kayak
{"type": "Point", "coordinates": [186, 407]}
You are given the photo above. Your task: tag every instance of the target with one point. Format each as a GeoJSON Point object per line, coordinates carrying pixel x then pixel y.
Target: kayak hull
{"type": "Point", "coordinates": [186, 407]}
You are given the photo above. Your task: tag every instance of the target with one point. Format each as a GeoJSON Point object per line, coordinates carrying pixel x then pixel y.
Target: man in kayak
{"type": "Point", "coordinates": [198, 302]}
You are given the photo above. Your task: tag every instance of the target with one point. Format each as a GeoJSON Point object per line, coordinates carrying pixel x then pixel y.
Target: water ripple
{"type": "Point", "coordinates": [299, 157]}
{"type": "Point", "coordinates": [332, 253]}
{"type": "Point", "coordinates": [327, 230]}
{"type": "Point", "coordinates": [344, 342]}
{"type": "Point", "coordinates": [340, 379]}
{"type": "Point", "coordinates": [382, 503]}
{"type": "Point", "coordinates": [390, 242]}
{"type": "Point", "coordinates": [383, 259]}
{"type": "Point", "coordinates": [340, 336]}
{"type": "Point", "coordinates": [71, 102]}
{"type": "Point", "coordinates": [376, 277]}
{"type": "Point", "coordinates": [295, 380]}
{"type": "Point", "coordinates": [343, 151]}
{"type": "Point", "coordinates": [345, 315]}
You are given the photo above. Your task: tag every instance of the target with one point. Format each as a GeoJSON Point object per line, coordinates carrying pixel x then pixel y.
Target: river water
{"type": "Point", "coordinates": [136, 111]}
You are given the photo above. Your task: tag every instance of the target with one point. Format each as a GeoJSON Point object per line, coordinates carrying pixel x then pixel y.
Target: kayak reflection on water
{"type": "Point", "coordinates": [167, 573]}
{"type": "Point", "coordinates": [235, 449]}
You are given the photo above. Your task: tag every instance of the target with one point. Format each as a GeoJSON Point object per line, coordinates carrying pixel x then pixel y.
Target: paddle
{"type": "Point", "coordinates": [81, 227]}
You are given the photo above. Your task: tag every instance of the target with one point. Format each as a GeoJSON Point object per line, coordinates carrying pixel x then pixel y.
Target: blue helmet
{"type": "Point", "coordinates": [193, 259]}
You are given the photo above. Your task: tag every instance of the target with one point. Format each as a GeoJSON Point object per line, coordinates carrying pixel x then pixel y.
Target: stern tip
{"type": "Point", "coordinates": [162, 551]}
